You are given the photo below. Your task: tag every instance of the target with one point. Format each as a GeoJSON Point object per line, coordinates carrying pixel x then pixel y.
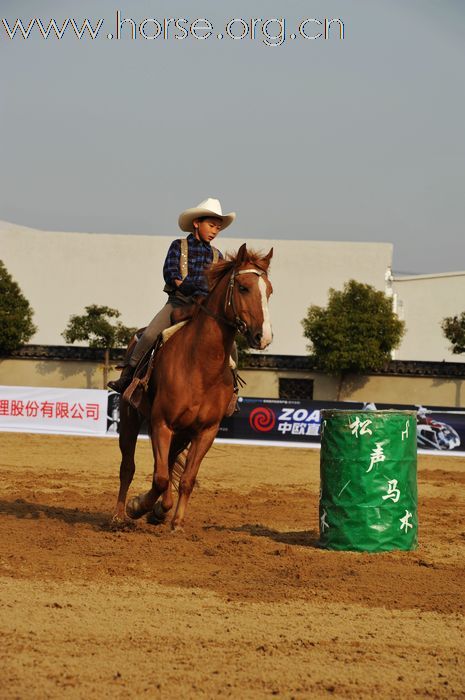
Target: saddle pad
{"type": "Point", "coordinates": [168, 332]}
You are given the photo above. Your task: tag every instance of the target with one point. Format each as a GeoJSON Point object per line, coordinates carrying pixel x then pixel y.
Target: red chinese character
{"type": "Point", "coordinates": [4, 407]}
{"type": "Point", "coordinates": [32, 409]}
{"type": "Point", "coordinates": [77, 411]}
{"type": "Point", "coordinates": [92, 411]}
{"type": "Point", "coordinates": [46, 408]}
{"type": "Point", "coordinates": [62, 409]}
{"type": "Point", "coordinates": [17, 408]}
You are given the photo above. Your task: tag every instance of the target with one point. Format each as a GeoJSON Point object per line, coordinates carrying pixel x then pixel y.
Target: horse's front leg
{"type": "Point", "coordinates": [161, 441]}
{"type": "Point", "coordinates": [198, 449]}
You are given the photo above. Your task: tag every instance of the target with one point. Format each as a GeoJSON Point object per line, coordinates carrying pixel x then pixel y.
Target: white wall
{"type": "Point", "coordinates": [423, 301]}
{"type": "Point", "coordinates": [60, 273]}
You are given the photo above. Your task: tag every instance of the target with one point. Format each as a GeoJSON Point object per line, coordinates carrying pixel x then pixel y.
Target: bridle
{"type": "Point", "coordinates": [238, 323]}
{"type": "Point", "coordinates": [229, 301]}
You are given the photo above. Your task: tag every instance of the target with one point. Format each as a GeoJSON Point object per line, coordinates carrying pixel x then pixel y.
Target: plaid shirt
{"type": "Point", "coordinates": [200, 255]}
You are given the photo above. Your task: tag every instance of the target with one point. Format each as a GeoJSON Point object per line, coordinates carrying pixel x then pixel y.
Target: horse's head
{"type": "Point", "coordinates": [247, 297]}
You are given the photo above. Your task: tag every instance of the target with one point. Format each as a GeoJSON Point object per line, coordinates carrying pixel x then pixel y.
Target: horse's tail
{"type": "Point", "coordinates": [179, 466]}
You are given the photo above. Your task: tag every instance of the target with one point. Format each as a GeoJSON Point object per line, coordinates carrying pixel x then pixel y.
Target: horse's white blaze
{"type": "Point", "coordinates": [267, 335]}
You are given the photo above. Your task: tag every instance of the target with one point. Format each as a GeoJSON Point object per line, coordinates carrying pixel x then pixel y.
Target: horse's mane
{"type": "Point", "coordinates": [216, 272]}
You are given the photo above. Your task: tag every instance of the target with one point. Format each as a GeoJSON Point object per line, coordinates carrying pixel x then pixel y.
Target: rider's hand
{"type": "Point", "coordinates": [188, 288]}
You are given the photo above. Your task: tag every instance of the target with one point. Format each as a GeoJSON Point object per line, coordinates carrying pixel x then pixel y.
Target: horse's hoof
{"type": "Point", "coordinates": [118, 524]}
{"type": "Point", "coordinates": [175, 529]}
{"type": "Point", "coordinates": [134, 509]}
{"type": "Point", "coordinates": [157, 515]}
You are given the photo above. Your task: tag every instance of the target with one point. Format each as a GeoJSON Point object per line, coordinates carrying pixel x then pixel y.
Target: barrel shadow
{"type": "Point", "coordinates": [303, 538]}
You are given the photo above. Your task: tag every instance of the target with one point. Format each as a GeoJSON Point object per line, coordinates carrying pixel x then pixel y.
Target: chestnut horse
{"type": "Point", "coordinates": [191, 384]}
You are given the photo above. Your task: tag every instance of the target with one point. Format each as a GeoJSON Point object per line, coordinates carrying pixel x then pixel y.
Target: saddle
{"type": "Point", "coordinates": [136, 393]}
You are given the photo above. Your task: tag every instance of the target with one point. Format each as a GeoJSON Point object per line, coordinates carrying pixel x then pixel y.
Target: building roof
{"type": "Point", "coordinates": [253, 360]}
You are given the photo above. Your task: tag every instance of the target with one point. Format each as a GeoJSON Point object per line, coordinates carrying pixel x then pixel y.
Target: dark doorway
{"type": "Point", "coordinates": [295, 388]}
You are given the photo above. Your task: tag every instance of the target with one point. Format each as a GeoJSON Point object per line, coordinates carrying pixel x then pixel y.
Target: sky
{"type": "Point", "coordinates": [360, 139]}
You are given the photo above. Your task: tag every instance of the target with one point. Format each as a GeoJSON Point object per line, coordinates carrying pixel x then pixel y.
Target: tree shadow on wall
{"type": "Point", "coordinates": [349, 384]}
{"type": "Point", "coordinates": [66, 371]}
{"type": "Point", "coordinates": [458, 383]}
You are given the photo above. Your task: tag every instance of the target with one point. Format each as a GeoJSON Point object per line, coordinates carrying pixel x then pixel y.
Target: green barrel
{"type": "Point", "coordinates": [368, 470]}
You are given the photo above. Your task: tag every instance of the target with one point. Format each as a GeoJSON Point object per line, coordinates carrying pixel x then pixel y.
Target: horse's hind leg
{"type": "Point", "coordinates": [162, 507]}
{"type": "Point", "coordinates": [130, 422]}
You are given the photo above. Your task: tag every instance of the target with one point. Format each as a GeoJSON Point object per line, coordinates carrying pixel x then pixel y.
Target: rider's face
{"type": "Point", "coordinates": [207, 229]}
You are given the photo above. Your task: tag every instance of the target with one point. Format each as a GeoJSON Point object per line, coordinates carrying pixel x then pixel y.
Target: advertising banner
{"type": "Point", "coordinates": [278, 420]}
{"type": "Point", "coordinates": [46, 410]}
{"type": "Point", "coordinates": [96, 412]}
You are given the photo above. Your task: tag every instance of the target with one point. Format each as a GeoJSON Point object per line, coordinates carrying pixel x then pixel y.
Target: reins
{"type": "Point", "coordinates": [217, 317]}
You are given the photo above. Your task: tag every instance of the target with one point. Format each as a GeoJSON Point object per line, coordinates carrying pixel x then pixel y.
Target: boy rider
{"type": "Point", "coordinates": [184, 278]}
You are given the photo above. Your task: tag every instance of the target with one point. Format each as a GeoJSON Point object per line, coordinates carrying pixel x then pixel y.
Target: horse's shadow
{"type": "Point", "coordinates": [303, 538]}
{"type": "Point", "coordinates": [100, 521]}
{"type": "Point", "coordinates": [73, 516]}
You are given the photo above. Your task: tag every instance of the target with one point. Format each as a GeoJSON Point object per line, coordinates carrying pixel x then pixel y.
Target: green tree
{"type": "Point", "coordinates": [96, 328]}
{"type": "Point", "coordinates": [355, 333]}
{"type": "Point", "coordinates": [16, 326]}
{"type": "Point", "coordinates": [453, 328]}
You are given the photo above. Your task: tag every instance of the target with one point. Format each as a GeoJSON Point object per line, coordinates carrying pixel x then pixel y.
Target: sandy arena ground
{"type": "Point", "coordinates": [242, 604]}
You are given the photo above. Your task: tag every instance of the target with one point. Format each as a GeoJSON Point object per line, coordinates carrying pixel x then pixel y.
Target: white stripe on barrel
{"type": "Point", "coordinates": [267, 335]}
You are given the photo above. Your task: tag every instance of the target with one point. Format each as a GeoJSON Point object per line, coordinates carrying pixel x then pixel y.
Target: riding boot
{"type": "Point", "coordinates": [121, 384]}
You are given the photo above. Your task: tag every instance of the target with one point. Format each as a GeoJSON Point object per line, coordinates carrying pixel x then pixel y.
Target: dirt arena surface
{"type": "Point", "coordinates": [242, 604]}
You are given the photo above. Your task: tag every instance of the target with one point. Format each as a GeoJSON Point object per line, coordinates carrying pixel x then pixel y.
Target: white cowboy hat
{"type": "Point", "coordinates": [209, 207]}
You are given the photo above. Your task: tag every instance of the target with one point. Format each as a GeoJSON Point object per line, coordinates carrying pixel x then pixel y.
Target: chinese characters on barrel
{"type": "Point", "coordinates": [405, 521]}
{"type": "Point", "coordinates": [377, 455]}
{"type": "Point", "coordinates": [360, 427]}
{"type": "Point", "coordinates": [393, 492]}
